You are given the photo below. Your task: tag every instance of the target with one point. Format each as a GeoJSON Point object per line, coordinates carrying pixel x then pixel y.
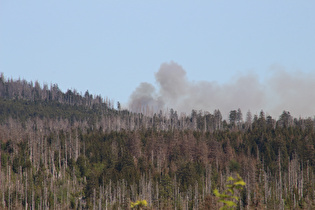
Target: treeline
{"type": "Point", "coordinates": [57, 154]}
{"type": "Point", "coordinates": [23, 90]}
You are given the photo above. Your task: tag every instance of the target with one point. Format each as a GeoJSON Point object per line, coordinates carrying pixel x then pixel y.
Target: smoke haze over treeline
{"type": "Point", "coordinates": [279, 91]}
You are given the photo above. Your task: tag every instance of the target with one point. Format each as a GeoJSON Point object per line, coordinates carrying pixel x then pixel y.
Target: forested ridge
{"type": "Point", "coordinates": [76, 151]}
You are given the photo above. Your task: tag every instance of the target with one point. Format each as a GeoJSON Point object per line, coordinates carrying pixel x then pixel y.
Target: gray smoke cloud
{"type": "Point", "coordinates": [294, 92]}
{"type": "Point", "coordinates": [145, 98]}
{"type": "Point", "coordinates": [280, 91]}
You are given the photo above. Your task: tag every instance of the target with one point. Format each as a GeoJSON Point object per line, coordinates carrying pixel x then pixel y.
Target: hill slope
{"type": "Point", "coordinates": [64, 150]}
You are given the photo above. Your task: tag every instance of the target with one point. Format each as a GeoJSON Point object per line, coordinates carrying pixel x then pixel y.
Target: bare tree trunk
{"type": "Point", "coordinates": [40, 201]}
{"type": "Point", "coordinates": [66, 154]}
{"type": "Point", "coordinates": [55, 198]}
{"type": "Point", "coordinates": [0, 171]}
{"type": "Point", "coordinates": [9, 199]}
{"type": "Point", "coordinates": [76, 145]}
{"type": "Point", "coordinates": [68, 189]}
{"type": "Point", "coordinates": [3, 200]}
{"type": "Point", "coordinates": [94, 198]}
{"type": "Point", "coordinates": [280, 177]}
{"type": "Point", "coordinates": [33, 200]}
{"type": "Point", "coordinates": [26, 190]}
{"type": "Point", "coordinates": [70, 145]}
{"type": "Point", "coordinates": [100, 199]}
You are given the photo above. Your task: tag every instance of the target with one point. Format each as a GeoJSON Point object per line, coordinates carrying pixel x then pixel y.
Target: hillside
{"type": "Point", "coordinates": [67, 150]}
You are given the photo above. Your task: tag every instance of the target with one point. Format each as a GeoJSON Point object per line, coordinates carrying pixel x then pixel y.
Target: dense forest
{"type": "Point", "coordinates": [79, 151]}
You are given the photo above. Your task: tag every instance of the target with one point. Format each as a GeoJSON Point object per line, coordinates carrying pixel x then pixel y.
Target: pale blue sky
{"type": "Point", "coordinates": [109, 47]}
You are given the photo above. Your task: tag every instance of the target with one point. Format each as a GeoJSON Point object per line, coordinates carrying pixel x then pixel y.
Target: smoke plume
{"type": "Point", "coordinates": [281, 91]}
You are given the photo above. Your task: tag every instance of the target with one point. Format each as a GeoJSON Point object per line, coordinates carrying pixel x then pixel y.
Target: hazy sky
{"type": "Point", "coordinates": [110, 47]}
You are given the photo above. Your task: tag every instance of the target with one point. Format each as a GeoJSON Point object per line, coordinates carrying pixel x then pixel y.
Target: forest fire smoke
{"type": "Point", "coordinates": [280, 91]}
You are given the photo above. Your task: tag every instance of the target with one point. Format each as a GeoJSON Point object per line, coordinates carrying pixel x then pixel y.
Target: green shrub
{"type": "Point", "coordinates": [227, 197]}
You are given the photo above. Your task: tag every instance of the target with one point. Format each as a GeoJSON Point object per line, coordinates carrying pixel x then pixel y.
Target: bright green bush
{"type": "Point", "coordinates": [228, 196]}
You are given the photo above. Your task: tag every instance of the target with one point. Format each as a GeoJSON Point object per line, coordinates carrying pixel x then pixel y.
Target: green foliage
{"type": "Point", "coordinates": [4, 159]}
{"type": "Point", "coordinates": [187, 175]}
{"type": "Point", "coordinates": [234, 166]}
{"type": "Point", "coordinates": [166, 188]}
{"type": "Point", "coordinates": [139, 204]}
{"type": "Point", "coordinates": [175, 158]}
{"type": "Point", "coordinates": [81, 164]}
{"type": "Point", "coordinates": [228, 196]}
